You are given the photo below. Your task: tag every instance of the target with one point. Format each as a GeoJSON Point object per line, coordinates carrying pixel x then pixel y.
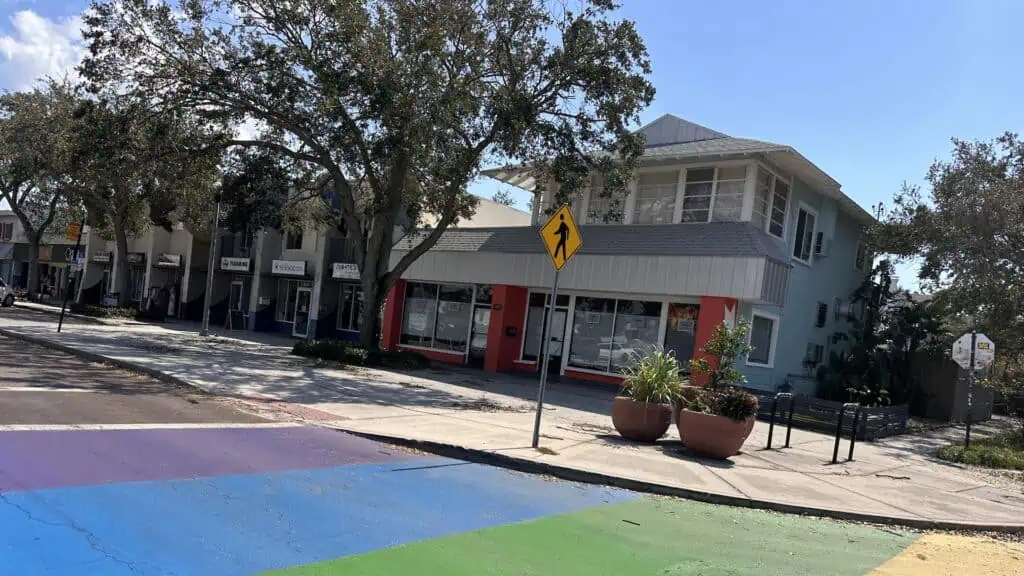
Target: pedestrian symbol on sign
{"type": "Point", "coordinates": [561, 237]}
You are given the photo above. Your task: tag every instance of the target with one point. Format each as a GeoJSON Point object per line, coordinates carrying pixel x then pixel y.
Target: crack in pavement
{"type": "Point", "coordinates": [90, 538]}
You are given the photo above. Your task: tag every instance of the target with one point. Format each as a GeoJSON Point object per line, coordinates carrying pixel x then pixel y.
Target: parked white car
{"type": "Point", "coordinates": [6, 295]}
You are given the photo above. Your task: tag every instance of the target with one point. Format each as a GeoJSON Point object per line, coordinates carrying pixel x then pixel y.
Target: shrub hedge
{"type": "Point", "coordinates": [353, 355]}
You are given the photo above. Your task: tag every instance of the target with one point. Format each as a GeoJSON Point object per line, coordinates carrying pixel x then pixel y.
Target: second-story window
{"type": "Point", "coordinates": [714, 194]}
{"type": "Point", "coordinates": [6, 231]}
{"type": "Point", "coordinates": [804, 241]}
{"type": "Point", "coordinates": [771, 196]}
{"type": "Point", "coordinates": [655, 198]}
{"type": "Point", "coordinates": [293, 241]}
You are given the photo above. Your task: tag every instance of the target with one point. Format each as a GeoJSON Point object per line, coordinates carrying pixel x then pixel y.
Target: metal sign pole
{"type": "Point", "coordinates": [64, 306]}
{"type": "Point", "coordinates": [211, 263]}
{"type": "Point", "coordinates": [545, 343]}
{"type": "Point", "coordinates": [970, 388]}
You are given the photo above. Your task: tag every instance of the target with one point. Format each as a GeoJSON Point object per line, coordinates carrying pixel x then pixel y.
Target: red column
{"type": "Point", "coordinates": [713, 311]}
{"type": "Point", "coordinates": [505, 333]}
{"type": "Point", "coordinates": [391, 327]}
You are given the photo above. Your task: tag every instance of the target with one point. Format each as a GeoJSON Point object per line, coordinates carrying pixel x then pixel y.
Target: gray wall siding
{"type": "Point", "coordinates": [827, 278]}
{"type": "Point", "coordinates": [736, 277]}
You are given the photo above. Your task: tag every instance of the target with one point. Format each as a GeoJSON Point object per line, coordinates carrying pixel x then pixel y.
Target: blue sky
{"type": "Point", "coordinates": [871, 91]}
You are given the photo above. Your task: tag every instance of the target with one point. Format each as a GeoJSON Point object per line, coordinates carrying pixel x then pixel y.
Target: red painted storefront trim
{"type": "Point", "coordinates": [444, 356]}
{"type": "Point", "coordinates": [590, 377]}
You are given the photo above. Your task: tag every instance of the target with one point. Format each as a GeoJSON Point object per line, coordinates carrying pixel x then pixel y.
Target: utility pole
{"type": "Point", "coordinates": [211, 262]}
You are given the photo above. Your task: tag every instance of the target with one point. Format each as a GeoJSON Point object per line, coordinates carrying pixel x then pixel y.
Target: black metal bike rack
{"type": "Point", "coordinates": [839, 430]}
{"type": "Point", "coordinates": [789, 420]}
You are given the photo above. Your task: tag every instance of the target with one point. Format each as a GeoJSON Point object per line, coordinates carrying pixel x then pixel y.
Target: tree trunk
{"type": "Point", "coordinates": [369, 321]}
{"type": "Point", "coordinates": [33, 264]}
{"type": "Point", "coordinates": [121, 240]}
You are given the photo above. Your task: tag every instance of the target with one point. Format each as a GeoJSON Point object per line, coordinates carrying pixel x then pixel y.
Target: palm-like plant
{"type": "Point", "coordinates": [652, 376]}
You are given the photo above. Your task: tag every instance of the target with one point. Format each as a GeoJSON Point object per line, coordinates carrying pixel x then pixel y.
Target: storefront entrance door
{"type": "Point", "coordinates": [556, 342]}
{"type": "Point", "coordinates": [303, 298]}
{"type": "Point", "coordinates": [478, 337]}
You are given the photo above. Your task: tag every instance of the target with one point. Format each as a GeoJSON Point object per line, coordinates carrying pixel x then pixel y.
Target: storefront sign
{"type": "Point", "coordinates": [344, 271]}
{"type": "Point", "coordinates": [101, 257]}
{"type": "Point", "coordinates": [136, 258]}
{"type": "Point", "coordinates": [228, 264]}
{"type": "Point", "coordinates": [288, 267]}
{"type": "Point", "coordinates": [168, 261]}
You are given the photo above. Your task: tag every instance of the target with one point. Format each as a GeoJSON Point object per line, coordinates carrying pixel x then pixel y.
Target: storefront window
{"type": "Point", "coordinates": [593, 324]}
{"type": "Point", "coordinates": [350, 307]}
{"type": "Point", "coordinates": [680, 333]}
{"type": "Point", "coordinates": [419, 313]}
{"type": "Point", "coordinates": [454, 305]}
{"type": "Point", "coordinates": [636, 331]}
{"type": "Point", "coordinates": [606, 332]}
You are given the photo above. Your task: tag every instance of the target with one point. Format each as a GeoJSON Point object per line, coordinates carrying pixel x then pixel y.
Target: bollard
{"type": "Point", "coordinates": [853, 435]}
{"type": "Point", "coordinates": [839, 429]}
{"type": "Point", "coordinates": [789, 421]}
{"type": "Point", "coordinates": [771, 424]}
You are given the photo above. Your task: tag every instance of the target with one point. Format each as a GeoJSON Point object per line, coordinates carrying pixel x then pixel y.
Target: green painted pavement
{"type": "Point", "coordinates": [648, 536]}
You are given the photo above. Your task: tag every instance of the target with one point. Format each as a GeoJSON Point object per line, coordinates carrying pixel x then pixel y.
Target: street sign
{"type": "Point", "coordinates": [72, 231]}
{"type": "Point", "coordinates": [984, 351]}
{"type": "Point", "coordinates": [561, 237]}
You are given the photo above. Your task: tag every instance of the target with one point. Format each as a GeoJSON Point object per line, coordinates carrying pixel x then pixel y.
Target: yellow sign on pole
{"type": "Point", "coordinates": [561, 237]}
{"type": "Point", "coordinates": [72, 231]}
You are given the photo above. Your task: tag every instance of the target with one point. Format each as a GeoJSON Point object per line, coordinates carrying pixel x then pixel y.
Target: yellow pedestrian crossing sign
{"type": "Point", "coordinates": [561, 237]}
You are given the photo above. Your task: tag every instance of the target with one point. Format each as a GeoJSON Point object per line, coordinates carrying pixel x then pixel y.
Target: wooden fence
{"type": "Point", "coordinates": [820, 416]}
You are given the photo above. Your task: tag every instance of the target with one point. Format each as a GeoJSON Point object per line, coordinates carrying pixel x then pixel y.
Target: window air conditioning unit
{"type": "Point", "coordinates": [846, 310]}
{"type": "Point", "coordinates": [822, 245]}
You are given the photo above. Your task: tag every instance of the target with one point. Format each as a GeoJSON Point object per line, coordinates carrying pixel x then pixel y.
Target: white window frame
{"type": "Point", "coordinates": [814, 230]}
{"type": "Point", "coordinates": [290, 235]}
{"type": "Point", "coordinates": [526, 316]}
{"type": "Point", "coordinates": [865, 266]}
{"type": "Point", "coordinates": [771, 199]}
{"type": "Point", "coordinates": [716, 166]}
{"type": "Point", "coordinates": [437, 298]}
{"type": "Point", "coordinates": [774, 338]}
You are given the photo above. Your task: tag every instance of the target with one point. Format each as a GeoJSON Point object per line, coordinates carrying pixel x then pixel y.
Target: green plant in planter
{"type": "Point", "coordinates": [722, 397]}
{"type": "Point", "coordinates": [652, 376]}
{"type": "Point", "coordinates": [725, 347]}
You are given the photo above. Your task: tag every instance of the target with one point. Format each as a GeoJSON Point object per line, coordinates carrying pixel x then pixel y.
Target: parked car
{"type": "Point", "coordinates": [6, 295]}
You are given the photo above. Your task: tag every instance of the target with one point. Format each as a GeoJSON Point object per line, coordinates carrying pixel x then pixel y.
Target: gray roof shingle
{"type": "Point", "coordinates": [713, 239]}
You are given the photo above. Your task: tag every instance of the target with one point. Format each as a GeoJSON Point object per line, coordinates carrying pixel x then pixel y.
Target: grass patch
{"type": "Point", "coordinates": [1004, 451]}
{"type": "Point", "coordinates": [352, 355]}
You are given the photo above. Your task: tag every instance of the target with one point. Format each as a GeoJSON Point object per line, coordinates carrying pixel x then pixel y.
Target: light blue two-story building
{"type": "Point", "coordinates": [714, 227]}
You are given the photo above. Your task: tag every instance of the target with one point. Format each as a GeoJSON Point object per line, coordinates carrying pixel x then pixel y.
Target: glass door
{"type": "Point", "coordinates": [680, 333]}
{"type": "Point", "coordinates": [478, 337]}
{"type": "Point", "coordinates": [302, 300]}
{"type": "Point", "coordinates": [556, 341]}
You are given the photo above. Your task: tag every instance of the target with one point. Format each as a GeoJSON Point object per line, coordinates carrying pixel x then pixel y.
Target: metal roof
{"type": "Point", "coordinates": [711, 239]}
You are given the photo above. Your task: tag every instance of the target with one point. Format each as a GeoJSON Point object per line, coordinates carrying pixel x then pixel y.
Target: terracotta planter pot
{"type": "Point", "coordinates": [713, 436]}
{"type": "Point", "coordinates": [640, 421]}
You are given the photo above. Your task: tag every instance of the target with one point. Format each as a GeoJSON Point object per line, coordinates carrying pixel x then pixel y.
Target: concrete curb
{"type": "Point", "coordinates": [44, 310]}
{"type": "Point", "coordinates": [585, 477]}
{"type": "Point", "coordinates": [563, 472]}
{"type": "Point", "coordinates": [101, 359]}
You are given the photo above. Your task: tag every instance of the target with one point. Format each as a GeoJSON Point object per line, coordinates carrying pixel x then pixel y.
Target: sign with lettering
{"type": "Point", "coordinates": [168, 261]}
{"type": "Point", "coordinates": [101, 257]}
{"type": "Point", "coordinates": [345, 271]}
{"type": "Point", "coordinates": [288, 267]}
{"type": "Point", "coordinates": [136, 258]}
{"type": "Point", "coordinates": [228, 264]}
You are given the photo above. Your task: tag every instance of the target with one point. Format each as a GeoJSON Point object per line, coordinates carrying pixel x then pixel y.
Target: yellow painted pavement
{"type": "Point", "coordinates": [947, 555]}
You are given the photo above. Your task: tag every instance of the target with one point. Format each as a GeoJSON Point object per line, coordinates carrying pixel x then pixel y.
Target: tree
{"type": "Point", "coordinates": [135, 168]}
{"type": "Point", "coordinates": [968, 231]}
{"type": "Point", "coordinates": [503, 197]}
{"type": "Point", "coordinates": [33, 162]}
{"type": "Point", "coordinates": [396, 103]}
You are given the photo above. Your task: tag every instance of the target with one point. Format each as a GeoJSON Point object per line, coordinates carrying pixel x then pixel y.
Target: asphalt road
{"type": "Point", "coordinates": [106, 472]}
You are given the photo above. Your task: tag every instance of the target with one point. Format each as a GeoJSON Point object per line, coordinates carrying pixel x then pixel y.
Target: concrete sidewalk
{"type": "Point", "coordinates": [489, 417]}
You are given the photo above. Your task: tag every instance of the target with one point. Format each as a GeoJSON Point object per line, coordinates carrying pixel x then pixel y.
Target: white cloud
{"type": "Point", "coordinates": [36, 47]}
